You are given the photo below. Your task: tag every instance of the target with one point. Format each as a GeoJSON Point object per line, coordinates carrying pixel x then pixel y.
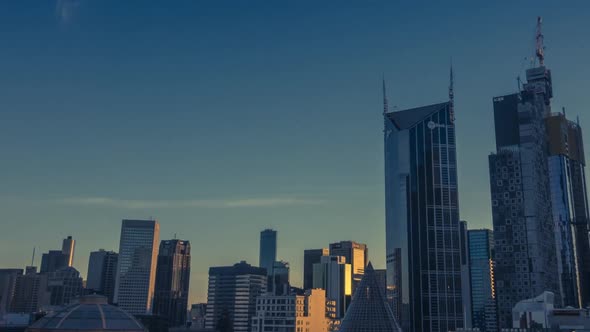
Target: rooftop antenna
{"type": "Point", "coordinates": [385, 103]}
{"type": "Point", "coordinates": [563, 109]}
{"type": "Point", "coordinates": [540, 49]}
{"type": "Point", "coordinates": [451, 95]}
{"type": "Point", "coordinates": [33, 257]}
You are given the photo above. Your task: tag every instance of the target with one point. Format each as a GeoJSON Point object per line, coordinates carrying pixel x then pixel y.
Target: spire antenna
{"type": "Point", "coordinates": [540, 48]}
{"type": "Point", "coordinates": [385, 103]}
{"type": "Point", "coordinates": [451, 95]}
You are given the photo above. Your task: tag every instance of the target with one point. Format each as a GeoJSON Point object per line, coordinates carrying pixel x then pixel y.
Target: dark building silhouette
{"type": "Point", "coordinates": [311, 257]}
{"type": "Point", "coordinates": [8, 279]}
{"type": "Point", "coordinates": [481, 271]}
{"type": "Point", "coordinates": [268, 250]}
{"type": "Point", "coordinates": [53, 261]}
{"type": "Point", "coordinates": [30, 292]}
{"type": "Point", "coordinates": [64, 285]}
{"type": "Point", "coordinates": [172, 281]}
{"type": "Point", "coordinates": [67, 248]}
{"type": "Point", "coordinates": [279, 280]}
{"type": "Point", "coordinates": [102, 273]}
{"type": "Point", "coordinates": [231, 297]}
{"type": "Point", "coordinates": [356, 254]}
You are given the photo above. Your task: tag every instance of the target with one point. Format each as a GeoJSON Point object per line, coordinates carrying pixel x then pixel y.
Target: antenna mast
{"type": "Point", "coordinates": [385, 103]}
{"type": "Point", "coordinates": [540, 49]}
{"type": "Point", "coordinates": [451, 96]}
{"type": "Point", "coordinates": [33, 258]}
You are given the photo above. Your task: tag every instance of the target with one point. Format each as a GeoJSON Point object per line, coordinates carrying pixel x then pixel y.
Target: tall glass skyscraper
{"type": "Point", "coordinates": [136, 269]}
{"type": "Point", "coordinates": [268, 249]}
{"type": "Point", "coordinates": [422, 218]}
{"type": "Point", "coordinates": [526, 264]}
{"type": "Point", "coordinates": [481, 273]}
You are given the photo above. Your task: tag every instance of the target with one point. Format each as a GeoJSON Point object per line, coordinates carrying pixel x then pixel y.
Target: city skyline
{"type": "Point", "coordinates": [307, 143]}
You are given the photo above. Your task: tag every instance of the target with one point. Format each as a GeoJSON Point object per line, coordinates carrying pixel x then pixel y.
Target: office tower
{"type": "Point", "coordinates": [569, 198]}
{"type": "Point", "coordinates": [381, 275]}
{"type": "Point", "coordinates": [172, 281]}
{"type": "Point", "coordinates": [268, 249]}
{"type": "Point", "coordinates": [311, 257]}
{"type": "Point", "coordinates": [422, 217]}
{"type": "Point", "coordinates": [356, 254]}
{"type": "Point", "coordinates": [231, 297]}
{"type": "Point", "coordinates": [279, 280]}
{"type": "Point", "coordinates": [291, 313]}
{"type": "Point", "coordinates": [333, 275]}
{"type": "Point", "coordinates": [481, 270]}
{"type": "Point", "coordinates": [136, 268]}
{"type": "Point", "coordinates": [67, 247]}
{"type": "Point", "coordinates": [30, 292]}
{"type": "Point", "coordinates": [102, 273]}
{"type": "Point", "coordinates": [8, 279]}
{"type": "Point", "coordinates": [53, 260]}
{"type": "Point", "coordinates": [369, 309]}
{"type": "Point", "coordinates": [465, 275]}
{"type": "Point", "coordinates": [198, 313]}
{"type": "Point", "coordinates": [64, 285]}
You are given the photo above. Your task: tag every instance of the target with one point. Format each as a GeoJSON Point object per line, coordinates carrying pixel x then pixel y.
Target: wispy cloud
{"type": "Point", "coordinates": [195, 203]}
{"type": "Point", "coordinates": [65, 10]}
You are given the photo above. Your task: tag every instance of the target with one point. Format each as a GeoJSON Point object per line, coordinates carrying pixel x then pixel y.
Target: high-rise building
{"type": "Point", "coordinates": [424, 262]}
{"type": "Point", "coordinates": [333, 275]}
{"type": "Point", "coordinates": [64, 285]}
{"type": "Point", "coordinates": [481, 271]}
{"type": "Point", "coordinates": [30, 292]}
{"type": "Point", "coordinates": [68, 246]}
{"type": "Point", "coordinates": [102, 273]}
{"type": "Point", "coordinates": [465, 275]}
{"type": "Point", "coordinates": [311, 257]}
{"type": "Point", "coordinates": [369, 309]}
{"type": "Point", "coordinates": [231, 297]}
{"type": "Point", "coordinates": [268, 249]}
{"type": "Point", "coordinates": [198, 313]}
{"type": "Point", "coordinates": [525, 252]}
{"type": "Point", "coordinates": [53, 260]}
{"type": "Point", "coordinates": [570, 208]}
{"type": "Point", "coordinates": [279, 280]}
{"type": "Point", "coordinates": [8, 279]}
{"type": "Point", "coordinates": [136, 268]}
{"type": "Point", "coordinates": [172, 281]}
{"type": "Point", "coordinates": [291, 313]}
{"type": "Point", "coordinates": [356, 254]}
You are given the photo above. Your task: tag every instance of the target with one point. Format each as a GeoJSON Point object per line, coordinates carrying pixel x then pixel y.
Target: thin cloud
{"type": "Point", "coordinates": [197, 203]}
{"type": "Point", "coordinates": [65, 10]}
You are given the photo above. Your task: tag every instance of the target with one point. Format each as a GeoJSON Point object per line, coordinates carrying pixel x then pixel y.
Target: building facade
{"type": "Point", "coordinates": [64, 285]}
{"type": "Point", "coordinates": [172, 281]}
{"type": "Point", "coordinates": [481, 273]}
{"type": "Point", "coordinates": [311, 257]}
{"type": "Point", "coordinates": [424, 263]}
{"type": "Point", "coordinates": [334, 275]}
{"type": "Point", "coordinates": [136, 267]}
{"type": "Point", "coordinates": [68, 247]}
{"type": "Point", "coordinates": [30, 292]}
{"type": "Point", "coordinates": [231, 296]}
{"type": "Point", "coordinates": [279, 280]}
{"type": "Point", "coordinates": [53, 260]}
{"type": "Point", "coordinates": [268, 250]}
{"type": "Point", "coordinates": [291, 313]}
{"type": "Point", "coordinates": [8, 279]}
{"type": "Point", "coordinates": [356, 254]}
{"type": "Point", "coordinates": [102, 273]}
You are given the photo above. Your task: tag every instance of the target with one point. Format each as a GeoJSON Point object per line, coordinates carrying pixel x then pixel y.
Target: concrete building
{"type": "Point", "coordinates": [424, 263]}
{"type": "Point", "coordinates": [291, 313]}
{"type": "Point", "coordinates": [525, 251]}
{"type": "Point", "coordinates": [311, 257]}
{"type": "Point", "coordinates": [268, 250]}
{"type": "Point", "coordinates": [356, 254]}
{"type": "Point", "coordinates": [333, 275]}
{"type": "Point", "coordinates": [198, 313]}
{"type": "Point", "coordinates": [231, 296]}
{"type": "Point", "coordinates": [8, 279]}
{"type": "Point", "coordinates": [172, 281]}
{"type": "Point", "coordinates": [136, 268]}
{"type": "Point", "coordinates": [481, 273]}
{"type": "Point", "coordinates": [64, 286]}
{"type": "Point", "coordinates": [102, 273]}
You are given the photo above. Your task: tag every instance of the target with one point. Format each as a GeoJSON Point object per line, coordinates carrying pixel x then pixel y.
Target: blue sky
{"type": "Point", "coordinates": [223, 118]}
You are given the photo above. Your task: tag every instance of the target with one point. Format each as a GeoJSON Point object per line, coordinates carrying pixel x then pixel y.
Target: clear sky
{"type": "Point", "coordinates": [223, 118]}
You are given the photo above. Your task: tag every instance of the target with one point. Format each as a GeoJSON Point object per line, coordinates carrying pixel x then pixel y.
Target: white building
{"type": "Point", "coordinates": [136, 269]}
{"type": "Point", "coordinates": [291, 313]}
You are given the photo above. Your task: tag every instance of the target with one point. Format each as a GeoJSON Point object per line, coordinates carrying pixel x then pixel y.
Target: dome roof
{"type": "Point", "coordinates": [92, 313]}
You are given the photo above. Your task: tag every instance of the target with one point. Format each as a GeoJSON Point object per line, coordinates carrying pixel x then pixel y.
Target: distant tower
{"type": "Point", "coordinates": [102, 273]}
{"type": "Point", "coordinates": [172, 281]}
{"type": "Point", "coordinates": [268, 249]}
{"type": "Point", "coordinates": [356, 254]}
{"type": "Point", "coordinates": [311, 257]}
{"type": "Point", "coordinates": [68, 246]}
{"type": "Point", "coordinates": [136, 269]}
{"type": "Point", "coordinates": [334, 275]}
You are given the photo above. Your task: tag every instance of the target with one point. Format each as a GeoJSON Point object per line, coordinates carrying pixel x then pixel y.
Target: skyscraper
{"type": "Point", "coordinates": [102, 273]}
{"type": "Point", "coordinates": [481, 270]}
{"type": "Point", "coordinates": [333, 275]}
{"type": "Point", "coordinates": [422, 217]}
{"type": "Point", "coordinates": [64, 285]}
{"type": "Point", "coordinates": [268, 249]}
{"type": "Point", "coordinates": [8, 279]}
{"type": "Point", "coordinates": [311, 257]}
{"type": "Point", "coordinates": [526, 264]}
{"type": "Point", "coordinates": [279, 280]}
{"type": "Point", "coordinates": [136, 268]}
{"type": "Point", "coordinates": [53, 260]}
{"type": "Point", "coordinates": [231, 297]}
{"type": "Point", "coordinates": [570, 208]}
{"type": "Point", "coordinates": [30, 292]}
{"type": "Point", "coordinates": [356, 254]}
{"type": "Point", "coordinates": [68, 246]}
{"type": "Point", "coordinates": [172, 281]}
